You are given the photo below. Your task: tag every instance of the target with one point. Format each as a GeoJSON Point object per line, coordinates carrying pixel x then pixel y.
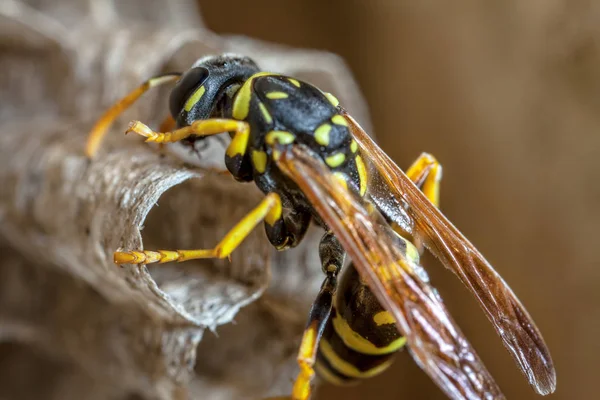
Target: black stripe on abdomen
{"type": "Point", "coordinates": [339, 364]}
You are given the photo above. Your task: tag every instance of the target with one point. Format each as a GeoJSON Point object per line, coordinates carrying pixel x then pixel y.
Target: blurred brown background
{"type": "Point", "coordinates": [507, 96]}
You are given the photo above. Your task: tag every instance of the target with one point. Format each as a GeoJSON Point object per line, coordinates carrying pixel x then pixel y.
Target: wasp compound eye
{"type": "Point", "coordinates": [186, 87]}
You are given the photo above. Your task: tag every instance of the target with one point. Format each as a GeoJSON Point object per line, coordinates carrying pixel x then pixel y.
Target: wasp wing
{"type": "Point", "coordinates": [412, 211]}
{"type": "Point", "coordinates": [435, 342]}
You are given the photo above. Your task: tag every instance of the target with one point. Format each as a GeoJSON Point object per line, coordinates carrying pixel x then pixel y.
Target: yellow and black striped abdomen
{"type": "Point", "coordinates": [361, 336]}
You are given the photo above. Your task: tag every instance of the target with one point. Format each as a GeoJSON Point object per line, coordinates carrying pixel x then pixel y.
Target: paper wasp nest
{"type": "Point", "coordinates": [72, 324]}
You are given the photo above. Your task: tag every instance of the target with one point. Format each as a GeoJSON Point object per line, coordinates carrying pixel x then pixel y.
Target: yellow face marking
{"type": "Point", "coordinates": [335, 160]}
{"type": "Point", "coordinates": [277, 95]}
{"type": "Point", "coordinates": [322, 134]}
{"type": "Point", "coordinates": [238, 144]}
{"type": "Point", "coordinates": [339, 120]}
{"type": "Point", "coordinates": [241, 103]}
{"type": "Point", "coordinates": [281, 137]}
{"type": "Point", "coordinates": [358, 343]}
{"type": "Point", "coordinates": [345, 367]}
{"type": "Point", "coordinates": [383, 318]}
{"type": "Point", "coordinates": [294, 82]}
{"type": "Point", "coordinates": [354, 146]}
{"type": "Point", "coordinates": [332, 99]}
{"type": "Point", "coordinates": [265, 113]}
{"type": "Point", "coordinates": [259, 160]}
{"type": "Point", "coordinates": [362, 174]}
{"type": "Point", "coordinates": [194, 98]}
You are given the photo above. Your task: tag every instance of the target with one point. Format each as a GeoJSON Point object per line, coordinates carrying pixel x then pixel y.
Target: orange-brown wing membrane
{"type": "Point", "coordinates": [510, 319]}
{"type": "Point", "coordinates": [435, 342]}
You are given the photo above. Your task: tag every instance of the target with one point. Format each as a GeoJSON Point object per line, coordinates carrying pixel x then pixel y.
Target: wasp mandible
{"type": "Point", "coordinates": [314, 163]}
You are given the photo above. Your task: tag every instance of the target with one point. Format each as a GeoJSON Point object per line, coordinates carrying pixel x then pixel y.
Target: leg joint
{"type": "Point", "coordinates": [332, 254]}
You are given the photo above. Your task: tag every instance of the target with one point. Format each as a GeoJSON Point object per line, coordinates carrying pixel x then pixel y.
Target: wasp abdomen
{"type": "Point", "coordinates": [361, 336]}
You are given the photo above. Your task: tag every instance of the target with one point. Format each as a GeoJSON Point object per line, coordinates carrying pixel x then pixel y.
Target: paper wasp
{"type": "Point", "coordinates": [315, 163]}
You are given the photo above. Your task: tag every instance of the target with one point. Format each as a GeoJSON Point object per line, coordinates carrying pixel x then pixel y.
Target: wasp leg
{"type": "Point", "coordinates": [205, 127]}
{"type": "Point", "coordinates": [99, 130]}
{"type": "Point", "coordinates": [332, 258]}
{"type": "Point", "coordinates": [169, 124]}
{"type": "Point", "coordinates": [236, 157]}
{"type": "Point", "coordinates": [269, 210]}
{"type": "Point", "coordinates": [426, 173]}
{"type": "Point", "coordinates": [288, 231]}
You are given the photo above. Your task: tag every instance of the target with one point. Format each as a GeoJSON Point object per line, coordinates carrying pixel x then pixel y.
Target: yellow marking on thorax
{"type": "Point", "coordinates": [358, 343]}
{"type": "Point", "coordinates": [339, 120]}
{"type": "Point", "coordinates": [259, 160]}
{"type": "Point", "coordinates": [345, 367]}
{"type": "Point", "coordinates": [335, 160]}
{"type": "Point", "coordinates": [241, 103]}
{"type": "Point", "coordinates": [194, 98]}
{"type": "Point", "coordinates": [281, 137]}
{"type": "Point", "coordinates": [332, 99]}
{"type": "Point", "coordinates": [294, 82]}
{"type": "Point", "coordinates": [354, 146]}
{"type": "Point", "coordinates": [265, 113]}
{"type": "Point", "coordinates": [322, 134]}
{"type": "Point", "coordinates": [277, 95]}
{"type": "Point", "coordinates": [383, 318]}
{"type": "Point", "coordinates": [362, 174]}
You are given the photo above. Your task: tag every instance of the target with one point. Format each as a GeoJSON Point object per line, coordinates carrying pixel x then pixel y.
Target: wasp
{"type": "Point", "coordinates": [314, 163]}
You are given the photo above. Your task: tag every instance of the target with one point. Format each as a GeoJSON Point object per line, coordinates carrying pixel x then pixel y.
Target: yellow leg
{"type": "Point", "coordinates": [426, 173]}
{"type": "Point", "coordinates": [306, 360]}
{"type": "Point", "coordinates": [169, 124]}
{"type": "Point", "coordinates": [99, 130]}
{"type": "Point", "coordinates": [205, 127]}
{"type": "Point", "coordinates": [332, 257]}
{"type": "Point", "coordinates": [269, 209]}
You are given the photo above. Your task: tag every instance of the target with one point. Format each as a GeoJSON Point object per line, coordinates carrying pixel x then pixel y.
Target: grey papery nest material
{"type": "Point", "coordinates": [73, 322]}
